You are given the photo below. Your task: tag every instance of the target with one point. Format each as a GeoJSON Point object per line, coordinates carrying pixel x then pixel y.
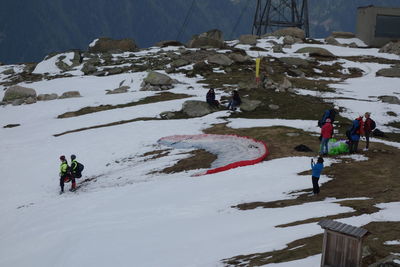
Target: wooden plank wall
{"type": "Point", "coordinates": [340, 250]}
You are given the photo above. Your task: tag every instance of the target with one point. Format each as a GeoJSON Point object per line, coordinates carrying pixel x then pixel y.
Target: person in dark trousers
{"type": "Point", "coordinates": [235, 101]}
{"type": "Point", "coordinates": [64, 173]}
{"type": "Point", "coordinates": [210, 98]}
{"type": "Point", "coordinates": [74, 172]}
{"type": "Point", "coordinates": [354, 133]}
{"type": "Point", "coordinates": [326, 134]}
{"type": "Point", "coordinates": [330, 113]}
{"type": "Point", "coordinates": [369, 126]}
{"type": "Point", "coordinates": [316, 173]}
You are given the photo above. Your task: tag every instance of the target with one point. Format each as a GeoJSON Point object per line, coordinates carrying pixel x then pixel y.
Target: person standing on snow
{"type": "Point", "coordinates": [354, 133]}
{"type": "Point", "coordinates": [64, 173]}
{"type": "Point", "coordinates": [74, 172]}
{"type": "Point", "coordinates": [369, 126]}
{"type": "Point", "coordinates": [326, 134]}
{"type": "Point", "coordinates": [316, 173]}
{"type": "Point", "coordinates": [235, 101]}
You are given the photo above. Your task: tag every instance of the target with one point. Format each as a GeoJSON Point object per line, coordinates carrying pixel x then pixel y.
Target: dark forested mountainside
{"type": "Point", "coordinates": [29, 30]}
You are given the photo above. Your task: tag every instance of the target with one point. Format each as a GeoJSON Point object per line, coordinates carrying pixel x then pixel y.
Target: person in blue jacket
{"type": "Point", "coordinates": [316, 172]}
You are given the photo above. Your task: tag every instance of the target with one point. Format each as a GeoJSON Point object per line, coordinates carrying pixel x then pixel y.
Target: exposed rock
{"type": "Point", "coordinates": [202, 67]}
{"type": "Point", "coordinates": [239, 58]}
{"type": "Point", "coordinates": [389, 99]}
{"type": "Point", "coordinates": [46, 97]}
{"type": "Point", "coordinates": [8, 71]}
{"type": "Point", "coordinates": [278, 48]}
{"type": "Point", "coordinates": [88, 68]}
{"type": "Point", "coordinates": [11, 125]}
{"type": "Point", "coordinates": [249, 105]}
{"type": "Point", "coordinates": [352, 45]}
{"type": "Point", "coordinates": [105, 44]}
{"type": "Point", "coordinates": [345, 35]}
{"type": "Point", "coordinates": [64, 66]}
{"type": "Point", "coordinates": [30, 100]}
{"type": "Point", "coordinates": [18, 92]}
{"type": "Point", "coordinates": [315, 51]}
{"type": "Point", "coordinates": [179, 63]}
{"type": "Point", "coordinates": [392, 48]}
{"type": "Point", "coordinates": [248, 39]}
{"type": "Point", "coordinates": [331, 40]}
{"type": "Point", "coordinates": [220, 59]}
{"type": "Point", "coordinates": [289, 40]}
{"type": "Point", "coordinates": [120, 90]}
{"type": "Point", "coordinates": [286, 84]}
{"type": "Point", "coordinates": [194, 108]}
{"type": "Point", "coordinates": [294, 61]}
{"type": "Point", "coordinates": [17, 102]}
{"type": "Point", "coordinates": [167, 115]}
{"type": "Point", "coordinates": [273, 107]}
{"type": "Point", "coordinates": [390, 72]}
{"type": "Point", "coordinates": [169, 43]}
{"type": "Point", "coordinates": [114, 71]}
{"type": "Point", "coordinates": [291, 31]}
{"type": "Point", "coordinates": [213, 38]}
{"type": "Point", "coordinates": [156, 78]}
{"type": "Point", "coordinates": [70, 94]}
{"type": "Point", "coordinates": [296, 73]}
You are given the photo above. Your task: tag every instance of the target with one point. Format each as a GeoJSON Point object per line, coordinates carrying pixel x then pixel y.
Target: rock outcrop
{"type": "Point", "coordinates": [194, 108]}
{"type": "Point", "coordinates": [291, 31]}
{"type": "Point", "coordinates": [47, 97]}
{"type": "Point", "coordinates": [210, 39]}
{"type": "Point", "coordinates": [156, 81]}
{"type": "Point", "coordinates": [392, 48]}
{"type": "Point", "coordinates": [70, 94]}
{"type": "Point", "coordinates": [315, 51]}
{"type": "Point", "coordinates": [248, 39]}
{"type": "Point", "coordinates": [18, 92]}
{"type": "Point", "coordinates": [119, 90]}
{"type": "Point", "coordinates": [104, 44]}
{"type": "Point", "coordinates": [249, 105]}
{"type": "Point", "coordinates": [220, 59]}
{"type": "Point", "coordinates": [389, 72]}
{"type": "Point", "coordinates": [169, 43]}
{"type": "Point", "coordinates": [390, 99]}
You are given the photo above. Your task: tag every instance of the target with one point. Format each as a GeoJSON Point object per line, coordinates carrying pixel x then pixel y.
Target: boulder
{"type": "Point", "coordinates": [194, 108]}
{"type": "Point", "coordinates": [273, 107]}
{"type": "Point", "coordinates": [105, 44]}
{"type": "Point", "coordinates": [156, 78]}
{"type": "Point", "coordinates": [220, 59]}
{"type": "Point", "coordinates": [30, 100]}
{"type": "Point", "coordinates": [46, 97]}
{"type": "Point", "coordinates": [249, 105]}
{"type": "Point", "coordinates": [202, 67]}
{"type": "Point", "coordinates": [389, 99]}
{"type": "Point", "coordinates": [210, 39]}
{"type": "Point", "coordinates": [239, 58]}
{"type": "Point", "coordinates": [179, 63]}
{"type": "Point", "coordinates": [315, 51]}
{"type": "Point", "coordinates": [8, 71]}
{"type": "Point", "coordinates": [88, 68]}
{"type": "Point", "coordinates": [70, 94]}
{"type": "Point", "coordinates": [18, 92]}
{"type": "Point", "coordinates": [248, 39]}
{"type": "Point", "coordinates": [345, 35]}
{"type": "Point", "coordinates": [63, 65]}
{"type": "Point", "coordinates": [278, 48]}
{"type": "Point", "coordinates": [114, 71]}
{"type": "Point", "coordinates": [120, 90]}
{"type": "Point", "coordinates": [390, 72]}
{"type": "Point", "coordinates": [294, 61]}
{"type": "Point", "coordinates": [392, 48]}
{"type": "Point", "coordinates": [289, 40]}
{"type": "Point", "coordinates": [332, 41]}
{"type": "Point", "coordinates": [17, 102]}
{"type": "Point", "coordinates": [286, 84]}
{"type": "Point", "coordinates": [169, 43]}
{"type": "Point", "coordinates": [167, 115]}
{"type": "Point", "coordinates": [291, 31]}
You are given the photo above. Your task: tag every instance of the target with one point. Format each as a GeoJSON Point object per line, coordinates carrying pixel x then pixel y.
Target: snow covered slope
{"type": "Point", "coordinates": [130, 214]}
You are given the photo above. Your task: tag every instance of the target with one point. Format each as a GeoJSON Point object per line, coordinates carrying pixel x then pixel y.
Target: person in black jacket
{"type": "Point", "coordinates": [235, 101]}
{"type": "Point", "coordinates": [210, 98]}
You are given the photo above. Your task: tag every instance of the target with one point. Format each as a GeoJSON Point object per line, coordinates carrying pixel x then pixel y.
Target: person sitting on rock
{"type": "Point", "coordinates": [235, 101]}
{"type": "Point", "coordinates": [210, 98]}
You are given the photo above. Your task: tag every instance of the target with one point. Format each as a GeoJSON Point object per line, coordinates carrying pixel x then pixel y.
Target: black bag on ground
{"type": "Point", "coordinates": [378, 133]}
{"type": "Point", "coordinates": [302, 148]}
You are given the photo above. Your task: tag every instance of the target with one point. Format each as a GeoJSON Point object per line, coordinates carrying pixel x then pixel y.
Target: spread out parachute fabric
{"type": "Point", "coordinates": [232, 151]}
{"type": "Point", "coordinates": [337, 147]}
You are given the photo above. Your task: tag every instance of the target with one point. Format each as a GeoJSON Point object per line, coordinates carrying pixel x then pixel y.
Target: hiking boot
{"type": "Point", "coordinates": [72, 189]}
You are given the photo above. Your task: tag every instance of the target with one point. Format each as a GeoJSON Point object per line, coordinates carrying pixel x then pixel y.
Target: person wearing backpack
{"type": "Point", "coordinates": [326, 134]}
{"type": "Point", "coordinates": [64, 173]}
{"type": "Point", "coordinates": [329, 113]}
{"type": "Point", "coordinates": [354, 132]}
{"type": "Point", "coordinates": [369, 126]}
{"type": "Point", "coordinates": [76, 171]}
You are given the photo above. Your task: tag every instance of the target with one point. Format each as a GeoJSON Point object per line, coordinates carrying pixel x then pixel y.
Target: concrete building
{"type": "Point", "coordinates": [377, 26]}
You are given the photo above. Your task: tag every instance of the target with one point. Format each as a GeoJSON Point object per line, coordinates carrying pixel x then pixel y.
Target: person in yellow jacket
{"type": "Point", "coordinates": [65, 175]}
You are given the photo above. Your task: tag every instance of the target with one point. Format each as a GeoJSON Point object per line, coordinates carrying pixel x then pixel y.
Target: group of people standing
{"type": "Point", "coordinates": [69, 173]}
{"type": "Point", "coordinates": [359, 127]}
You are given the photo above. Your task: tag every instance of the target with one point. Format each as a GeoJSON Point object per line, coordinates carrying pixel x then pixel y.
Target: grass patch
{"type": "Point", "coordinates": [164, 96]}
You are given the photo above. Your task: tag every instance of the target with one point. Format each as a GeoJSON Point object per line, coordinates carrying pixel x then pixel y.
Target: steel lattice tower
{"type": "Point", "coordinates": [274, 14]}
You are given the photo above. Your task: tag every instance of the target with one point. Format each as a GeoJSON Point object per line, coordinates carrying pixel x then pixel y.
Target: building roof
{"type": "Point", "coordinates": [343, 228]}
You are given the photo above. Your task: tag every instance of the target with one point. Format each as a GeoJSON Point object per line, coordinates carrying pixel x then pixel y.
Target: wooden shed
{"type": "Point", "coordinates": [342, 244]}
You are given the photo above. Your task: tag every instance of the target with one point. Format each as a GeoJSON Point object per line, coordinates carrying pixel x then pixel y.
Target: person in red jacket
{"type": "Point", "coordinates": [369, 126]}
{"type": "Point", "coordinates": [326, 134]}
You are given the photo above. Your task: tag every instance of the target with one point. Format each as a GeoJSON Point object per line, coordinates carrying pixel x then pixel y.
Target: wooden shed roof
{"type": "Point", "coordinates": [343, 228]}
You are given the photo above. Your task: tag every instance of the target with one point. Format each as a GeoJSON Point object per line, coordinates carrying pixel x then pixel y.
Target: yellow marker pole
{"type": "Point", "coordinates": [258, 62]}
